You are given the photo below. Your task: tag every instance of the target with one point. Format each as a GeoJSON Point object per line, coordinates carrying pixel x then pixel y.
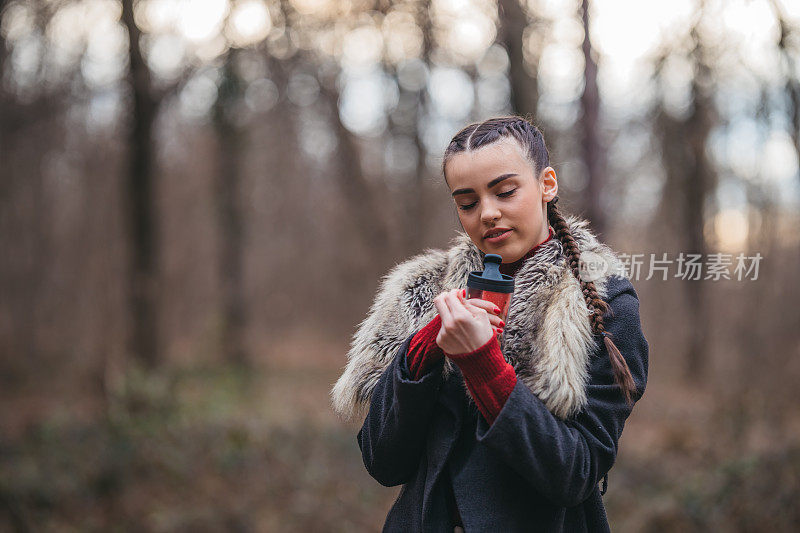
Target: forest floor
{"type": "Point", "coordinates": [221, 448]}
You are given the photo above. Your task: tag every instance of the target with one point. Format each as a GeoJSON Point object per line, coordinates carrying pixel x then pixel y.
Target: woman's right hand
{"type": "Point", "coordinates": [466, 324]}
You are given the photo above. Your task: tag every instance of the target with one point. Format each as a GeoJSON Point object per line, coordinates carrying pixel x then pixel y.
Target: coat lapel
{"type": "Point", "coordinates": [547, 338]}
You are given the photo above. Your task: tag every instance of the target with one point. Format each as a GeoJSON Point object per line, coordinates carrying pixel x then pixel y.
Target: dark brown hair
{"type": "Point", "coordinates": [531, 139]}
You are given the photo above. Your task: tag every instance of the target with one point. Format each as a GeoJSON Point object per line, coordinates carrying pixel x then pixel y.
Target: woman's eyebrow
{"type": "Point", "coordinates": [492, 183]}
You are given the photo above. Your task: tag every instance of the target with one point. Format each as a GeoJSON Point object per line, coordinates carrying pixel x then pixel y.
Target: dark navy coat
{"type": "Point", "coordinates": [529, 470]}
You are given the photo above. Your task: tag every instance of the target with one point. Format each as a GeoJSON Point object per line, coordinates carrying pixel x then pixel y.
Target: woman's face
{"type": "Point", "coordinates": [494, 187]}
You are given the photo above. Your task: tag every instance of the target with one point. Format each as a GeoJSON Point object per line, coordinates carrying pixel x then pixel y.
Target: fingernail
{"type": "Point", "coordinates": [502, 324]}
{"type": "Point", "coordinates": [464, 292]}
{"type": "Point", "coordinates": [497, 310]}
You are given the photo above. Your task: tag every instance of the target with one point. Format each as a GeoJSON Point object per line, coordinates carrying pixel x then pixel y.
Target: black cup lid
{"type": "Point", "coordinates": [491, 279]}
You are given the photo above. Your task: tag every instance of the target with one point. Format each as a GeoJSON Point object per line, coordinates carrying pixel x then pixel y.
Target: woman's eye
{"type": "Point", "coordinates": [506, 194]}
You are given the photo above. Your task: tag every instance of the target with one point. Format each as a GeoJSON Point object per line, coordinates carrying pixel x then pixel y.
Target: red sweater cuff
{"type": "Point", "coordinates": [423, 352]}
{"type": "Point", "coordinates": [483, 364]}
{"type": "Point", "coordinates": [489, 377]}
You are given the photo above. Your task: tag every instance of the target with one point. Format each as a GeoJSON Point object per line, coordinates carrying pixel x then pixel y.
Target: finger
{"type": "Point", "coordinates": [488, 306]}
{"type": "Point", "coordinates": [462, 294]}
{"type": "Point", "coordinates": [484, 304]}
{"type": "Point", "coordinates": [444, 311]}
{"type": "Point", "coordinates": [466, 302]}
{"type": "Point", "coordinates": [458, 310]}
{"type": "Point", "coordinates": [459, 294]}
{"type": "Point", "coordinates": [454, 305]}
{"type": "Point", "coordinates": [494, 320]}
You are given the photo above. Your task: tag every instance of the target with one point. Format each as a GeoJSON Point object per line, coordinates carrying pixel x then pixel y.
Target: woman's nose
{"type": "Point", "coordinates": [489, 213]}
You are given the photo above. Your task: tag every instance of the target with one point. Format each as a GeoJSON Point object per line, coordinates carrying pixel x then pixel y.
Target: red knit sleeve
{"type": "Point", "coordinates": [489, 377]}
{"type": "Point", "coordinates": [423, 351]}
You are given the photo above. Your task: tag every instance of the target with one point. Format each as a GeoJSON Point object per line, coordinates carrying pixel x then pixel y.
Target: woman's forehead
{"type": "Point", "coordinates": [500, 157]}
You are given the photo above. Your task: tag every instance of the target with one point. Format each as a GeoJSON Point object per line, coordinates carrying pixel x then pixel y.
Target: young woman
{"type": "Point", "coordinates": [493, 426]}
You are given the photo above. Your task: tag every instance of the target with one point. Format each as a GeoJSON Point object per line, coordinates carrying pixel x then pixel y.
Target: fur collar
{"type": "Point", "coordinates": [547, 338]}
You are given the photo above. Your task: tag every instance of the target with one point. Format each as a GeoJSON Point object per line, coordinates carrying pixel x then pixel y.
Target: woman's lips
{"type": "Point", "coordinates": [503, 236]}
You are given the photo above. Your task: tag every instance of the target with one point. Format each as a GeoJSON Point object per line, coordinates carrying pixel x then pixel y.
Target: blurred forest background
{"type": "Point", "coordinates": [198, 198]}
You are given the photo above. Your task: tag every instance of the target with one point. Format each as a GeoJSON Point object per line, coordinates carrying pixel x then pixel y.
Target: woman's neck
{"type": "Point", "coordinates": [512, 268]}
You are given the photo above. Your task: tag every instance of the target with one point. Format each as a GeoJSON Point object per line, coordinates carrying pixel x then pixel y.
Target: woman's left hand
{"type": "Point", "coordinates": [465, 327]}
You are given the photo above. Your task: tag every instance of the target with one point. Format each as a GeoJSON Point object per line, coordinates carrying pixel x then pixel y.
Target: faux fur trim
{"type": "Point", "coordinates": [547, 338]}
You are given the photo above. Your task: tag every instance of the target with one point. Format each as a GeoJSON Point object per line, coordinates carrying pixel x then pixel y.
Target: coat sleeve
{"type": "Point", "coordinates": [392, 438]}
{"type": "Point", "coordinates": [565, 459]}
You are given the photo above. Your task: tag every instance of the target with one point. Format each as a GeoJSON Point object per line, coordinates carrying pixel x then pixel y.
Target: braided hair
{"type": "Point", "coordinates": [530, 138]}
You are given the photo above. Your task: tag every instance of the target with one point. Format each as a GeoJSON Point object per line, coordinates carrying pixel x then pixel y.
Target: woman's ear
{"type": "Point", "coordinates": [549, 183]}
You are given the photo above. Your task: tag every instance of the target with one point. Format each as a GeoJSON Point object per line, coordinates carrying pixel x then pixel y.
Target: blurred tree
{"type": "Point", "coordinates": [361, 194]}
{"type": "Point", "coordinates": [418, 197]}
{"type": "Point", "coordinates": [691, 178]}
{"type": "Point", "coordinates": [513, 22]}
{"type": "Point", "coordinates": [31, 121]}
{"type": "Point", "coordinates": [227, 186]}
{"type": "Point", "coordinates": [139, 201]}
{"type": "Point", "coordinates": [594, 153]}
{"type": "Point", "coordinates": [787, 49]}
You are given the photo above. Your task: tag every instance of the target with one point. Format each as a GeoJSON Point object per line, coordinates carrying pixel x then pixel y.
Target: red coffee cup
{"type": "Point", "coordinates": [491, 285]}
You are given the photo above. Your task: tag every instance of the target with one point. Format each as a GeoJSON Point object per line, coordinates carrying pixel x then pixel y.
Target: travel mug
{"type": "Point", "coordinates": [491, 285]}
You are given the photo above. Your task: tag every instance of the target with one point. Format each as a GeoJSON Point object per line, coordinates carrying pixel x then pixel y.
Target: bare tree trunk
{"type": "Point", "coordinates": [3, 53]}
{"type": "Point", "coordinates": [681, 209]}
{"type": "Point", "coordinates": [418, 196]}
{"type": "Point", "coordinates": [359, 194]}
{"type": "Point", "coordinates": [142, 228]}
{"type": "Point", "coordinates": [524, 87]}
{"type": "Point", "coordinates": [793, 91]}
{"type": "Point", "coordinates": [227, 187]}
{"type": "Point", "coordinates": [690, 181]}
{"type": "Point", "coordinates": [593, 151]}
{"type": "Point", "coordinates": [792, 85]}
{"type": "Point", "coordinates": [418, 210]}
{"type": "Point", "coordinates": [699, 187]}
{"type": "Point", "coordinates": [26, 125]}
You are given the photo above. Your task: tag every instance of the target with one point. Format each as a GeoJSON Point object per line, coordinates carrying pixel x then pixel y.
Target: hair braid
{"type": "Point", "coordinates": [598, 307]}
